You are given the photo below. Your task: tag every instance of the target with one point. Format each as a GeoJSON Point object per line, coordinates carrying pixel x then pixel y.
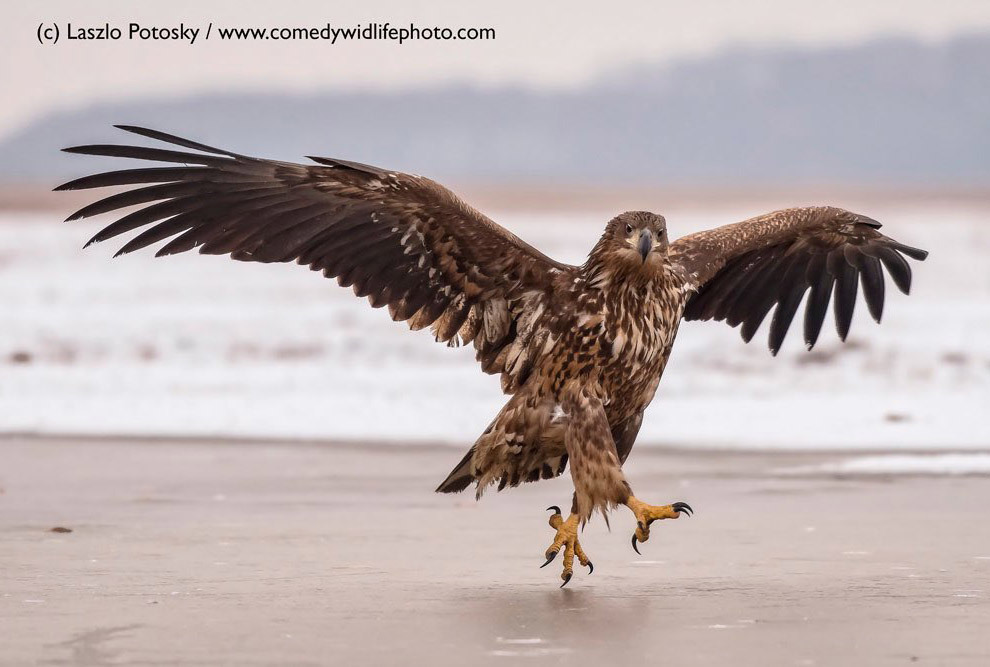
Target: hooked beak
{"type": "Point", "coordinates": [645, 243]}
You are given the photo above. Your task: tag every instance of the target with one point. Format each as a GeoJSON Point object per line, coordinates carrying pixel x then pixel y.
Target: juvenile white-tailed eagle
{"type": "Point", "coordinates": [580, 349]}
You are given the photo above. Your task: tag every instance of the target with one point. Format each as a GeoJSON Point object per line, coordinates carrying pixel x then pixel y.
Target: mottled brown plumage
{"type": "Point", "coordinates": [580, 349]}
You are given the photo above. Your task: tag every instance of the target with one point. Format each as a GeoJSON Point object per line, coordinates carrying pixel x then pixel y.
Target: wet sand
{"type": "Point", "coordinates": [224, 553]}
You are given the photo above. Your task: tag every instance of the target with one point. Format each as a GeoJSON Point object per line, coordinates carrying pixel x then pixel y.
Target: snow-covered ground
{"type": "Point", "coordinates": [194, 345]}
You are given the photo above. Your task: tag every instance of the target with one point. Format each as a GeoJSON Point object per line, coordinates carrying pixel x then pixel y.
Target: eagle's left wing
{"type": "Point", "coordinates": [743, 270]}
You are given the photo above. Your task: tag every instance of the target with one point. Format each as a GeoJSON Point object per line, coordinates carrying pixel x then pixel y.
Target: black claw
{"type": "Point", "coordinates": [683, 507]}
{"type": "Point", "coordinates": [591, 567]}
{"type": "Point", "coordinates": [556, 510]}
{"type": "Point", "coordinates": [635, 548]}
{"type": "Point", "coordinates": [566, 579]}
{"type": "Point", "coordinates": [549, 560]}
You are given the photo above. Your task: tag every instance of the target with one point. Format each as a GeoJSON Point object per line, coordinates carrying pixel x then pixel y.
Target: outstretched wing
{"type": "Point", "coordinates": [743, 270]}
{"type": "Point", "coordinates": [401, 240]}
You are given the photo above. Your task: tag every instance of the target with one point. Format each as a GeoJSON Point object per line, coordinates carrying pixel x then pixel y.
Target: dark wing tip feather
{"type": "Point", "coordinates": [897, 267]}
{"type": "Point", "coordinates": [136, 176]}
{"type": "Point", "coordinates": [820, 288]}
{"type": "Point", "coordinates": [173, 139]}
{"type": "Point", "coordinates": [783, 315]}
{"type": "Point", "coordinates": [914, 253]}
{"type": "Point", "coordinates": [153, 154]}
{"type": "Point", "coordinates": [846, 287]}
{"type": "Point", "coordinates": [871, 278]}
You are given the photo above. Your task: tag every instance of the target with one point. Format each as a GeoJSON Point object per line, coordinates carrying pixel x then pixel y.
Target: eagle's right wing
{"type": "Point", "coordinates": [401, 240]}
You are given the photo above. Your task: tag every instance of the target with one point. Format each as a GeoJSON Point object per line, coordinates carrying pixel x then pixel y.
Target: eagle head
{"type": "Point", "coordinates": [635, 237]}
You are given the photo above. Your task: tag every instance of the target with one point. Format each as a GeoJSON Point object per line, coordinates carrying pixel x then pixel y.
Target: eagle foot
{"type": "Point", "coordinates": [567, 539]}
{"type": "Point", "coordinates": [647, 514]}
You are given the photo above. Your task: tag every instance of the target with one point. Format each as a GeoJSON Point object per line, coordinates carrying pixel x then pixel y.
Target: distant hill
{"type": "Point", "coordinates": [887, 112]}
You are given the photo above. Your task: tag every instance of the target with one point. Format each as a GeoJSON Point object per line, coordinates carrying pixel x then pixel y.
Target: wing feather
{"type": "Point", "coordinates": [787, 304]}
{"type": "Point", "coordinates": [897, 267]}
{"type": "Point", "coordinates": [752, 310]}
{"type": "Point", "coordinates": [871, 274]}
{"type": "Point", "coordinates": [846, 282]}
{"type": "Point", "coordinates": [821, 282]}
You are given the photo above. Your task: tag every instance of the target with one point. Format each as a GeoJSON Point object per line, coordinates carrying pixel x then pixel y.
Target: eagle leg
{"type": "Point", "coordinates": [647, 514]}
{"type": "Point", "coordinates": [567, 539]}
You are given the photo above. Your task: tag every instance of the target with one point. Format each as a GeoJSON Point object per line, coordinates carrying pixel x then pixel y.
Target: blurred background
{"type": "Point", "coordinates": [707, 112]}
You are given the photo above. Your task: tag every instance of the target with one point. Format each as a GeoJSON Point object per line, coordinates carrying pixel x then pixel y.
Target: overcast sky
{"type": "Point", "coordinates": [538, 42]}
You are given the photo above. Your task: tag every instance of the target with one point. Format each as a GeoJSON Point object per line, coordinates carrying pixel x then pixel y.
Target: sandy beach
{"type": "Point", "coordinates": [240, 553]}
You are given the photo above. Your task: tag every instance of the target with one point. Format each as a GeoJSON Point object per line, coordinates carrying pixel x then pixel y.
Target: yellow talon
{"type": "Point", "coordinates": [647, 514]}
{"type": "Point", "coordinates": [566, 537]}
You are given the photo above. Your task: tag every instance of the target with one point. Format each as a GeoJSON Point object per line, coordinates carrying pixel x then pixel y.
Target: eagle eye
{"type": "Point", "coordinates": [628, 228]}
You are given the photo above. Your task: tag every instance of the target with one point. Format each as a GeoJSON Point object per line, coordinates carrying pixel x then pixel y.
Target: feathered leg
{"type": "Point", "coordinates": [595, 469]}
{"type": "Point", "coordinates": [599, 483]}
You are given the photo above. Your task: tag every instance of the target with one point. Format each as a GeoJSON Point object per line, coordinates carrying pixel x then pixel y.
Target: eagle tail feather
{"type": "Point", "coordinates": [460, 477]}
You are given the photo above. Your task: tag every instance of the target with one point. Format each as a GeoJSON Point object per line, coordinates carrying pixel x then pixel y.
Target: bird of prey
{"type": "Point", "coordinates": [579, 349]}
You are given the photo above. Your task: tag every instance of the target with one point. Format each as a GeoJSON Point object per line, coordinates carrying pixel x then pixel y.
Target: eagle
{"type": "Point", "coordinates": [580, 350]}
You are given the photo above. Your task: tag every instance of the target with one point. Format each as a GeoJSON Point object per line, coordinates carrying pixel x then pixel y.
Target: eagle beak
{"type": "Point", "coordinates": [645, 243]}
